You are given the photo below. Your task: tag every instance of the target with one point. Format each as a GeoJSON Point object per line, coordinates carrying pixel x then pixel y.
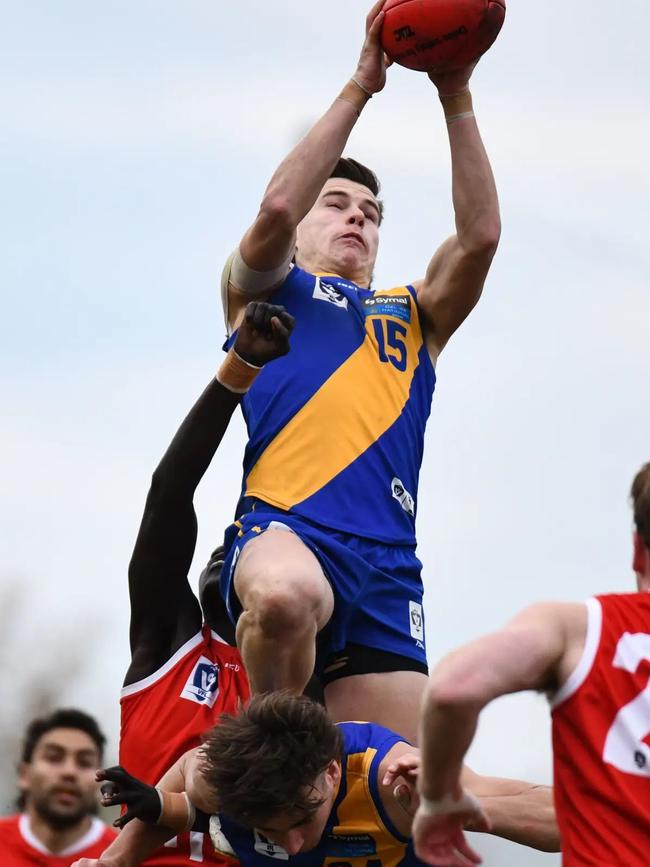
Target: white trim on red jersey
{"type": "Point", "coordinates": [592, 639]}
{"type": "Point", "coordinates": [182, 651]}
{"type": "Point", "coordinates": [93, 835]}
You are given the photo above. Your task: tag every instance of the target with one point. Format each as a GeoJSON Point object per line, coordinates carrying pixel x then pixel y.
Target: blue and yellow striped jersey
{"type": "Point", "coordinates": [358, 832]}
{"type": "Point", "coordinates": [336, 427]}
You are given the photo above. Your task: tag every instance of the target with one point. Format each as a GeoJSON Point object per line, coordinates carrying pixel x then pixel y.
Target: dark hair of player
{"type": "Point", "coordinates": [640, 494]}
{"type": "Point", "coordinates": [63, 718]}
{"type": "Point", "coordinates": [352, 170]}
{"type": "Point", "coordinates": [266, 760]}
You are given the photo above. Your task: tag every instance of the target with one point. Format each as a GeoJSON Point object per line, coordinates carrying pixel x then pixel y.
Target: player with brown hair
{"type": "Point", "coordinates": [281, 780]}
{"type": "Point", "coordinates": [336, 431]}
{"type": "Point", "coordinates": [593, 661]}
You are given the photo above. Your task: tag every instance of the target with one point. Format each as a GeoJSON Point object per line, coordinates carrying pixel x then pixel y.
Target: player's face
{"type": "Point", "coordinates": [295, 833]}
{"type": "Point", "coordinates": [59, 782]}
{"type": "Point", "coordinates": [340, 234]}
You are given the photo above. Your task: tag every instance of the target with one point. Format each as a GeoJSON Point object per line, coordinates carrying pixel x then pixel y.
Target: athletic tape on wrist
{"type": "Point", "coordinates": [177, 811]}
{"type": "Point", "coordinates": [235, 374]}
{"type": "Point", "coordinates": [467, 803]}
{"type": "Point", "coordinates": [355, 94]}
{"type": "Point", "coordinates": [457, 105]}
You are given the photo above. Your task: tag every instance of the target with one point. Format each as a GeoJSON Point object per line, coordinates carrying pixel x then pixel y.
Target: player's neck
{"type": "Point", "coordinates": [55, 839]}
{"type": "Point", "coordinates": [323, 266]}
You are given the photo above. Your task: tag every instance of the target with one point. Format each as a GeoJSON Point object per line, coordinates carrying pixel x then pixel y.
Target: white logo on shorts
{"type": "Point", "coordinates": [327, 292]}
{"type": "Point", "coordinates": [271, 850]}
{"type": "Point", "coordinates": [402, 496]}
{"type": "Point", "coordinates": [416, 621]}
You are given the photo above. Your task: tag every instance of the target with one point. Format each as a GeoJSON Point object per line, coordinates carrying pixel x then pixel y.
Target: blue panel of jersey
{"type": "Point", "coordinates": [367, 498]}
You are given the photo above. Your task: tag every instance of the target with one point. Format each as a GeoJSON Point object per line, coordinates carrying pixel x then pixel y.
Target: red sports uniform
{"type": "Point", "coordinates": [20, 848]}
{"type": "Point", "coordinates": [165, 714]}
{"type": "Point", "coordinates": [601, 739]}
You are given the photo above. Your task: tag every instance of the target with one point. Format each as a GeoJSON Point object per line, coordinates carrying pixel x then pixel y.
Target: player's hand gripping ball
{"type": "Point", "coordinates": [440, 35]}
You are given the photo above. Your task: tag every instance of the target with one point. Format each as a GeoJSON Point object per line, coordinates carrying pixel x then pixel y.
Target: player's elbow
{"type": "Point", "coordinates": [482, 239]}
{"type": "Point", "coordinates": [451, 693]}
{"type": "Point", "coordinates": [276, 211]}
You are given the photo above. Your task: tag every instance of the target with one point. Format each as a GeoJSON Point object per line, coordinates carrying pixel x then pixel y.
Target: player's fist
{"type": "Point", "coordinates": [264, 333]}
{"type": "Point", "coordinates": [142, 801]}
{"type": "Point", "coordinates": [439, 838]}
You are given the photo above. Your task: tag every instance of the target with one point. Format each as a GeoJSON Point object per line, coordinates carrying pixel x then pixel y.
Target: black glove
{"type": "Point", "coordinates": [264, 333]}
{"type": "Point", "coordinates": [142, 801]}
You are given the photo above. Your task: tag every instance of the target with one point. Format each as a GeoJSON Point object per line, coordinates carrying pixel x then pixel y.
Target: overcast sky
{"type": "Point", "coordinates": [136, 141]}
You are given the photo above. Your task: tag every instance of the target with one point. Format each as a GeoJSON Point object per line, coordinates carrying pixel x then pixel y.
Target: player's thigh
{"type": "Point", "coordinates": [391, 699]}
{"type": "Point", "coordinates": [277, 569]}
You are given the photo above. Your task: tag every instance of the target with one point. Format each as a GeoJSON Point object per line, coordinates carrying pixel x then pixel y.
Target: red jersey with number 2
{"type": "Point", "coordinates": [165, 714]}
{"type": "Point", "coordinates": [601, 739]}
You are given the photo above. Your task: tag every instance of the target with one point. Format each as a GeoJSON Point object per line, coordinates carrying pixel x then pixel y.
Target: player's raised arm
{"type": "Point", "coordinates": [534, 651]}
{"type": "Point", "coordinates": [164, 611]}
{"type": "Point", "coordinates": [456, 274]}
{"type": "Point", "coordinates": [263, 259]}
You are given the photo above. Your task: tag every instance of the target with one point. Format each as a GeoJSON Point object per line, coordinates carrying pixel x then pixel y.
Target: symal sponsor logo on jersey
{"type": "Point", "coordinates": [264, 846]}
{"type": "Point", "coordinates": [327, 292]}
{"type": "Point", "coordinates": [202, 685]}
{"type": "Point", "coordinates": [402, 496]}
{"type": "Point", "coordinates": [416, 622]}
{"type": "Point", "coordinates": [398, 306]}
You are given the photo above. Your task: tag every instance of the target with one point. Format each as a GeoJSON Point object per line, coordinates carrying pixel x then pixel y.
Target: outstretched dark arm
{"type": "Point", "coordinates": [164, 611]}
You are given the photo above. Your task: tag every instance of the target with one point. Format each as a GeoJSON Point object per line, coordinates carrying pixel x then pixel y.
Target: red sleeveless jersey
{"type": "Point", "coordinates": [601, 739]}
{"type": "Point", "coordinates": [165, 714]}
{"type": "Point", "coordinates": [20, 848]}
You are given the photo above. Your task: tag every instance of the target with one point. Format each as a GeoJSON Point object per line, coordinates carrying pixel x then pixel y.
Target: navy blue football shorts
{"type": "Point", "coordinates": [377, 588]}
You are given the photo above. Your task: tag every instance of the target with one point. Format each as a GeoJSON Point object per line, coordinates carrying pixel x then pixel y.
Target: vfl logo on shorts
{"type": "Point", "coordinates": [271, 850]}
{"type": "Point", "coordinates": [202, 685]}
{"type": "Point", "coordinates": [416, 621]}
{"type": "Point", "coordinates": [327, 292]}
{"type": "Point", "coordinates": [402, 496]}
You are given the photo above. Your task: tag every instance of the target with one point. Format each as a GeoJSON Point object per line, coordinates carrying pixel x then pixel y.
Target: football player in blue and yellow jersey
{"type": "Point", "coordinates": [281, 781]}
{"type": "Point", "coordinates": [320, 566]}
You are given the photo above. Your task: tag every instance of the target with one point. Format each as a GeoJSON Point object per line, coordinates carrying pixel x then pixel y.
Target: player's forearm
{"type": "Point", "coordinates": [135, 843]}
{"type": "Point", "coordinates": [526, 817]}
{"type": "Point", "coordinates": [195, 443]}
{"type": "Point", "coordinates": [474, 193]}
{"type": "Point", "coordinates": [298, 180]}
{"type": "Point", "coordinates": [447, 728]}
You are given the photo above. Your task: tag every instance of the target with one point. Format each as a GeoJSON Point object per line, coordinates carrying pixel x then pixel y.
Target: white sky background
{"type": "Point", "coordinates": [136, 140]}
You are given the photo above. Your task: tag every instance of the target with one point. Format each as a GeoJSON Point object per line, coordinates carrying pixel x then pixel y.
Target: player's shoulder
{"type": "Point", "coordinates": [8, 823]}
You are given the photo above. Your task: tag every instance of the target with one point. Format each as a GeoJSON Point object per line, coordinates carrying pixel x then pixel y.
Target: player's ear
{"type": "Point", "coordinates": [333, 771]}
{"type": "Point", "coordinates": [640, 557]}
{"type": "Point", "coordinates": [23, 777]}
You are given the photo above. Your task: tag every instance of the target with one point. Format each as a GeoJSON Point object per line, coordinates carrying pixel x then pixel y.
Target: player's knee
{"type": "Point", "coordinates": [284, 610]}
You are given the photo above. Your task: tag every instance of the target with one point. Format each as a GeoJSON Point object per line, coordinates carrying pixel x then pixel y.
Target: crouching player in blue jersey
{"type": "Point", "coordinates": [325, 542]}
{"type": "Point", "coordinates": [281, 780]}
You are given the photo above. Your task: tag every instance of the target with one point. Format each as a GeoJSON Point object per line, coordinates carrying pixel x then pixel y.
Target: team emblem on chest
{"type": "Point", "coordinates": [202, 686]}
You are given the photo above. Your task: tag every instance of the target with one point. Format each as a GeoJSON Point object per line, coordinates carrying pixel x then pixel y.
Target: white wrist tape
{"type": "Point", "coordinates": [467, 803]}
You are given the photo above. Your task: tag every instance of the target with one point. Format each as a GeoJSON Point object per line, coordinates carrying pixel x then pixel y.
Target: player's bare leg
{"type": "Point", "coordinates": [390, 699]}
{"type": "Point", "coordinates": [286, 600]}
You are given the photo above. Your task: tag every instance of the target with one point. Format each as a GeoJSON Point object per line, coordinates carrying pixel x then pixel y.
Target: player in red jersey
{"type": "Point", "coordinates": [58, 794]}
{"type": "Point", "coordinates": [183, 671]}
{"type": "Point", "coordinates": [593, 660]}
